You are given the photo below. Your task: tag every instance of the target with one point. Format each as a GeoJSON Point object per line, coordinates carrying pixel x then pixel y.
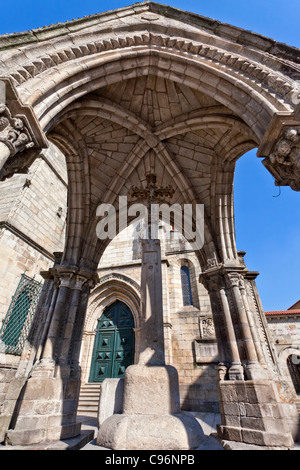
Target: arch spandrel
{"type": "Point", "coordinates": [223, 49]}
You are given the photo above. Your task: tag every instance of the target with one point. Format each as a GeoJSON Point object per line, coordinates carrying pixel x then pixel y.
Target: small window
{"type": "Point", "coordinates": [186, 286]}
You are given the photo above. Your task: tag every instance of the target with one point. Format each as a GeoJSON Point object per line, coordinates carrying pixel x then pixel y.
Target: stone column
{"type": "Point", "coordinates": [20, 131]}
{"type": "Point", "coordinates": [253, 328]}
{"type": "Point", "coordinates": [230, 362]}
{"type": "Point", "coordinates": [47, 406]}
{"type": "Point", "coordinates": [252, 366]}
{"type": "Point", "coordinates": [152, 351]}
{"type": "Point", "coordinates": [250, 405]}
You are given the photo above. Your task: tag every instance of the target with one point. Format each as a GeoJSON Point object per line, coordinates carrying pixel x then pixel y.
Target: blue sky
{"type": "Point", "coordinates": [267, 218]}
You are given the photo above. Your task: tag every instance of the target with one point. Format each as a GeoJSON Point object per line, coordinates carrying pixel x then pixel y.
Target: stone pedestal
{"type": "Point", "coordinates": [151, 418]}
{"type": "Point", "coordinates": [47, 409]}
{"type": "Point", "coordinates": [251, 414]}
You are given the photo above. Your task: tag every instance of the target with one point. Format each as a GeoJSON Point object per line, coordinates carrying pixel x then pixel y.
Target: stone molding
{"type": "Point", "coordinates": [261, 75]}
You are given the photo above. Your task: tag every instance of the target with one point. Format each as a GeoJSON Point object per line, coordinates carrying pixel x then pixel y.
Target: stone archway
{"type": "Point", "coordinates": [183, 102]}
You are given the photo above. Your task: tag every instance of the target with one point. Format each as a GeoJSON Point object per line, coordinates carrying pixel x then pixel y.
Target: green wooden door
{"type": "Point", "coordinates": [114, 343]}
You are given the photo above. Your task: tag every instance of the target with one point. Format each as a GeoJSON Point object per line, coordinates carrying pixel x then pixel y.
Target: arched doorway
{"type": "Point", "coordinates": [114, 343]}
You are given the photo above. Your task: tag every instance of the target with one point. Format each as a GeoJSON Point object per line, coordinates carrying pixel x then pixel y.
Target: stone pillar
{"type": "Point", "coordinates": [32, 348]}
{"type": "Point", "coordinates": [152, 332]}
{"type": "Point", "coordinates": [253, 368]}
{"type": "Point", "coordinates": [250, 405]}
{"type": "Point", "coordinates": [47, 407]}
{"type": "Point", "coordinates": [151, 417]}
{"type": "Point", "coordinates": [230, 362]}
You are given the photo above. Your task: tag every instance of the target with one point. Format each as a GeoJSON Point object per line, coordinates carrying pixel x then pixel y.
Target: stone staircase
{"type": "Point", "coordinates": [89, 399]}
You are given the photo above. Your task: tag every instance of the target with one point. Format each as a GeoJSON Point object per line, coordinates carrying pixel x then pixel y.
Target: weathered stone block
{"type": "Point", "coordinates": [47, 388]}
{"type": "Point", "coordinates": [25, 437]}
{"type": "Point", "coordinates": [153, 390]}
{"type": "Point", "coordinates": [263, 438]}
{"type": "Point", "coordinates": [165, 432]}
{"type": "Point", "coordinates": [229, 433]}
{"type": "Point", "coordinates": [259, 410]}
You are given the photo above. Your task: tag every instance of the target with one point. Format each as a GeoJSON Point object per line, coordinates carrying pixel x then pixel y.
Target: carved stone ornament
{"type": "Point", "coordinates": [207, 328]}
{"type": "Point", "coordinates": [206, 349]}
{"type": "Point", "coordinates": [234, 279]}
{"type": "Point", "coordinates": [13, 132]}
{"type": "Point", "coordinates": [212, 262]}
{"type": "Point", "coordinates": [284, 161]}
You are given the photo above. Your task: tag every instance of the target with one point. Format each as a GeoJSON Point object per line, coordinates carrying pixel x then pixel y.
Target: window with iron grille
{"type": "Point", "coordinates": [17, 322]}
{"type": "Point", "coordinates": [186, 286]}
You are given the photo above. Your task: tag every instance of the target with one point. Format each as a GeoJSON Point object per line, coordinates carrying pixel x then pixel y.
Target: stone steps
{"type": "Point", "coordinates": [89, 399]}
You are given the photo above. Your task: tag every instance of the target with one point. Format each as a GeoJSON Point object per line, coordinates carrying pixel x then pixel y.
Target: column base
{"type": "Point", "coordinates": [46, 409]}
{"type": "Point", "coordinates": [254, 437]}
{"type": "Point", "coordinates": [74, 443]}
{"type": "Point", "coordinates": [27, 437]}
{"type": "Point", "coordinates": [251, 414]}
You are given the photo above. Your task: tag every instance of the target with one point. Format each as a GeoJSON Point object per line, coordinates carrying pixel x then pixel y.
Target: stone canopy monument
{"type": "Point", "coordinates": [124, 95]}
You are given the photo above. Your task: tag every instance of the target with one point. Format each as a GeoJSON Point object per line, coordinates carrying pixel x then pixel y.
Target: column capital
{"type": "Point", "coordinates": [221, 277]}
{"type": "Point", "coordinates": [213, 280]}
{"type": "Point", "coordinates": [75, 278]}
{"type": "Point", "coordinates": [284, 160]}
{"type": "Point", "coordinates": [19, 129]}
{"type": "Point", "coordinates": [280, 149]}
{"type": "Point", "coordinates": [14, 132]}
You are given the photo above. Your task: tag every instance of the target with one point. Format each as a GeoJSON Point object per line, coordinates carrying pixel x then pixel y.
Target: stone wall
{"type": "Point", "coordinates": [285, 330]}
{"type": "Point", "coordinates": [32, 221]}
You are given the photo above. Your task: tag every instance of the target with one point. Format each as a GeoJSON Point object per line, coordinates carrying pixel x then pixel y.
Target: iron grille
{"type": "Point", "coordinates": [18, 319]}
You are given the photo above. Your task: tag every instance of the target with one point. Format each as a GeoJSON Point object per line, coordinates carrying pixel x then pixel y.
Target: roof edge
{"type": "Point", "coordinates": [283, 312]}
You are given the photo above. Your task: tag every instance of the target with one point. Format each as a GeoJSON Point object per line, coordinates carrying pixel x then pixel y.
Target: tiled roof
{"type": "Point", "coordinates": [283, 312]}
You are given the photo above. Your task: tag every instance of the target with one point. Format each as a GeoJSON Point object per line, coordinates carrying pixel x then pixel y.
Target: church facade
{"type": "Point", "coordinates": [89, 110]}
